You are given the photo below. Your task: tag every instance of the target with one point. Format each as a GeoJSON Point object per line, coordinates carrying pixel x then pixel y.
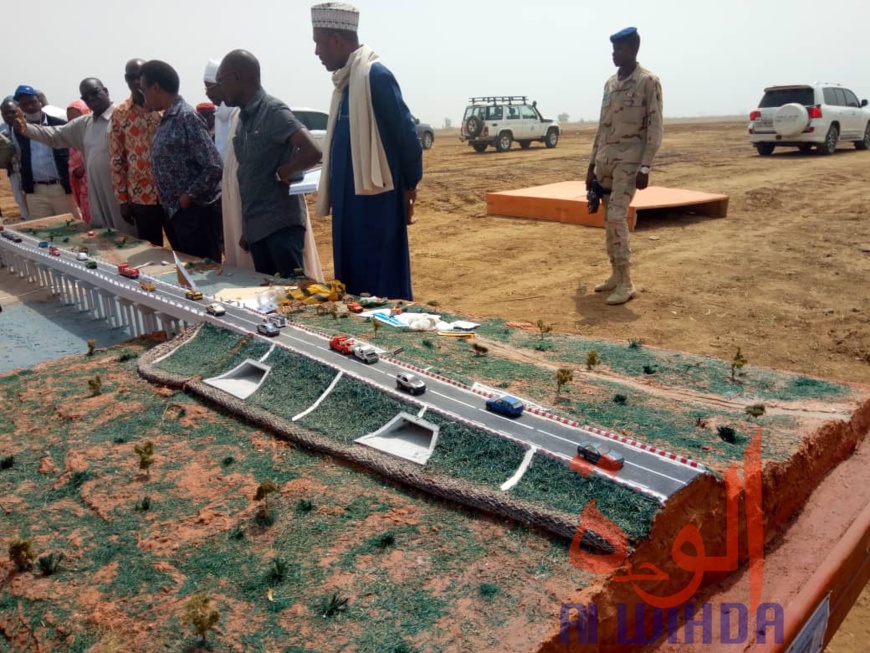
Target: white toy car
{"type": "Point", "coordinates": [215, 309]}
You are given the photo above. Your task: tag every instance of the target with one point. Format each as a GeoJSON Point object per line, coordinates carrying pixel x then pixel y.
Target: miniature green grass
{"type": "Point", "coordinates": [550, 482]}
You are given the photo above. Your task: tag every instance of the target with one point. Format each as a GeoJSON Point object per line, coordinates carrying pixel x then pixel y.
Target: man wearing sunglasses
{"type": "Point", "coordinates": [89, 134]}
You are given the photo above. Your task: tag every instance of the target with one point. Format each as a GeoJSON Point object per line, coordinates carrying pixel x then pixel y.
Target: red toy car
{"type": "Point", "coordinates": [353, 307]}
{"type": "Point", "coordinates": [342, 344]}
{"type": "Point", "coordinates": [54, 251]}
{"type": "Point", "coordinates": [127, 271]}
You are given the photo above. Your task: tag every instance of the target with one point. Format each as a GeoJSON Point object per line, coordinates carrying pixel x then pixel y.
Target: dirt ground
{"type": "Point", "coordinates": [784, 276]}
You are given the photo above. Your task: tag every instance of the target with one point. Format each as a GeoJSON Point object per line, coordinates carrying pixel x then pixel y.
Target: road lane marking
{"type": "Point", "coordinates": [652, 471]}
{"type": "Point", "coordinates": [435, 392]}
{"type": "Point", "coordinates": [506, 419]}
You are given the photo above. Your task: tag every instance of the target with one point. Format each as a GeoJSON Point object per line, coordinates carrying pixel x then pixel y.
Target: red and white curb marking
{"type": "Point", "coordinates": [645, 447]}
{"type": "Point", "coordinates": [682, 460]}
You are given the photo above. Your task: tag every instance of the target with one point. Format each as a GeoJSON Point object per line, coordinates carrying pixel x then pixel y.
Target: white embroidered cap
{"type": "Point", "coordinates": [211, 68]}
{"type": "Point", "coordinates": [335, 15]}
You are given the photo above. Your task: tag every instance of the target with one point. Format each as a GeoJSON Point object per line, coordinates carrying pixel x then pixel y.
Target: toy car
{"type": "Point", "coordinates": [597, 453]}
{"type": "Point", "coordinates": [267, 329]}
{"type": "Point", "coordinates": [505, 405]}
{"type": "Point", "coordinates": [366, 353]}
{"type": "Point", "coordinates": [91, 265]}
{"type": "Point", "coordinates": [342, 344]}
{"type": "Point", "coordinates": [16, 238]}
{"type": "Point", "coordinates": [193, 294]}
{"type": "Point", "coordinates": [278, 320]}
{"type": "Point", "coordinates": [82, 256]}
{"type": "Point", "coordinates": [54, 251]}
{"type": "Point", "coordinates": [127, 271]}
{"type": "Point", "coordinates": [42, 243]}
{"type": "Point", "coordinates": [148, 286]}
{"type": "Point", "coordinates": [354, 307]}
{"type": "Point", "coordinates": [215, 309]}
{"type": "Point", "coordinates": [410, 383]}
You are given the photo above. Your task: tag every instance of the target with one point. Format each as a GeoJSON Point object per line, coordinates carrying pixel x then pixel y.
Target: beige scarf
{"type": "Point", "coordinates": [371, 170]}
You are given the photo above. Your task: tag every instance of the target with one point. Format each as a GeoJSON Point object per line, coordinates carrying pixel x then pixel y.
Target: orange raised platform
{"type": "Point", "coordinates": [566, 202]}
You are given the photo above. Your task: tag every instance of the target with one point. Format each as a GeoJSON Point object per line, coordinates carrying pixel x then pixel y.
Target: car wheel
{"type": "Point", "coordinates": [473, 126]}
{"type": "Point", "coordinates": [805, 149]}
{"type": "Point", "coordinates": [765, 149]}
{"type": "Point", "coordinates": [525, 144]}
{"type": "Point", "coordinates": [479, 147]}
{"type": "Point", "coordinates": [427, 140]}
{"type": "Point", "coordinates": [552, 138]}
{"type": "Point", "coordinates": [830, 144]}
{"type": "Point", "coordinates": [865, 143]}
{"type": "Point", "coordinates": [503, 142]}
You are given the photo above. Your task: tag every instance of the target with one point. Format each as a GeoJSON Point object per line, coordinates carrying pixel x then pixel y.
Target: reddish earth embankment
{"type": "Point", "coordinates": [786, 486]}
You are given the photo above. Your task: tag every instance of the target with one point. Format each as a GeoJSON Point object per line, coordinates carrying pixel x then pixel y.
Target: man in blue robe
{"type": "Point", "coordinates": [372, 161]}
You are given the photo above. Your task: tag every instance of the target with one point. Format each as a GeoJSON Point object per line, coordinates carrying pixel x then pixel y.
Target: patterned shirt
{"type": "Point", "coordinates": [630, 128]}
{"type": "Point", "coordinates": [132, 132]}
{"type": "Point", "coordinates": [184, 158]}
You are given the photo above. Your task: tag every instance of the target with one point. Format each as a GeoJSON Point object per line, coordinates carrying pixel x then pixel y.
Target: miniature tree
{"type": "Point", "coordinates": [21, 554]}
{"type": "Point", "coordinates": [737, 364]}
{"type": "Point", "coordinates": [92, 345]}
{"type": "Point", "coordinates": [592, 360]}
{"type": "Point", "coordinates": [145, 451]}
{"type": "Point", "coordinates": [96, 385]}
{"type": "Point", "coordinates": [544, 328]}
{"type": "Point", "coordinates": [563, 376]}
{"type": "Point", "coordinates": [333, 311]}
{"type": "Point", "coordinates": [199, 613]}
{"type": "Point", "coordinates": [756, 410]}
{"type": "Point", "coordinates": [635, 344]}
{"type": "Point", "coordinates": [376, 325]}
{"type": "Point", "coordinates": [479, 350]}
{"type": "Point", "coordinates": [264, 514]}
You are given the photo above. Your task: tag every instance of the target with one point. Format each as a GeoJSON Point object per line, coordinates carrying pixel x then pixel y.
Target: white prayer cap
{"type": "Point", "coordinates": [211, 68]}
{"type": "Point", "coordinates": [335, 15]}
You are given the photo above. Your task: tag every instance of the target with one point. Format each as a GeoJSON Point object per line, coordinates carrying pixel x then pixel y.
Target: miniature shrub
{"type": "Point", "coordinates": [21, 554]}
{"type": "Point", "coordinates": [727, 434]}
{"type": "Point", "coordinates": [330, 606]}
{"type": "Point", "coordinates": [50, 564]}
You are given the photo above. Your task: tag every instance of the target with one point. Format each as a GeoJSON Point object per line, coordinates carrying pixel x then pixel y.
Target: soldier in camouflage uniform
{"type": "Point", "coordinates": [629, 135]}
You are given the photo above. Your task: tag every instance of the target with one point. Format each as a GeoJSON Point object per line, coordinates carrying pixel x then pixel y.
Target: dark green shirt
{"type": "Point", "coordinates": [262, 146]}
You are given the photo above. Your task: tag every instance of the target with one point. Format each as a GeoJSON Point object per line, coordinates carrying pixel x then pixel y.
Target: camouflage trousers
{"type": "Point", "coordinates": [619, 178]}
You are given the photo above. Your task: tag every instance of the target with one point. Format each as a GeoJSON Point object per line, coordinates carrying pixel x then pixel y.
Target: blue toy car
{"type": "Point", "coordinates": [505, 405]}
{"type": "Point", "coordinates": [43, 243]}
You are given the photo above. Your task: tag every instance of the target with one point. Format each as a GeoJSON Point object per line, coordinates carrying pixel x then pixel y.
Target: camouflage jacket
{"type": "Point", "coordinates": [630, 128]}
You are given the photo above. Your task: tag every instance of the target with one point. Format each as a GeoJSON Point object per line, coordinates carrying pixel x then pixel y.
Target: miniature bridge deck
{"type": "Point", "coordinates": [566, 202]}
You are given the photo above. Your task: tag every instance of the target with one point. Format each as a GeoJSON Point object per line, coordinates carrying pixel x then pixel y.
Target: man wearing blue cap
{"type": "Point", "coordinates": [44, 171]}
{"type": "Point", "coordinates": [628, 138]}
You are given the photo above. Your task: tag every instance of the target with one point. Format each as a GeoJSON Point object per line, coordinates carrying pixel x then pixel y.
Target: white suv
{"type": "Point", "coordinates": [808, 115]}
{"type": "Point", "coordinates": [501, 120]}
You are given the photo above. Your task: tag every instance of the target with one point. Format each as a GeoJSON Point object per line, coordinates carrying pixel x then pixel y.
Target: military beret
{"type": "Point", "coordinates": [623, 34]}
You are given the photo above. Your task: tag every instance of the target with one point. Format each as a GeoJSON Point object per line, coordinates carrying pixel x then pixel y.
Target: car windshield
{"type": "Point", "coordinates": [779, 97]}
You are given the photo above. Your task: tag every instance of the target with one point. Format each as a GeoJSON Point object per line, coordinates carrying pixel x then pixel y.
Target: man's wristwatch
{"type": "Point", "coordinates": [644, 170]}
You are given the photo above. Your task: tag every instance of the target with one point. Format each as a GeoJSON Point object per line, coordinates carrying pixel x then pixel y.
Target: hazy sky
{"type": "Point", "coordinates": [713, 58]}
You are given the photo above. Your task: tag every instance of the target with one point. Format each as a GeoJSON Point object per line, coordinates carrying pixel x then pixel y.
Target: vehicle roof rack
{"type": "Point", "coordinates": [492, 99]}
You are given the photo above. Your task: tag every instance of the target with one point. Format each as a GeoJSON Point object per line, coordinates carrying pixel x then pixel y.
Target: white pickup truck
{"type": "Point", "coordinates": [366, 353]}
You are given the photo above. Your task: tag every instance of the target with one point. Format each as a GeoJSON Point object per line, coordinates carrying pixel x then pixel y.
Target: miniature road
{"type": "Point", "coordinates": [656, 474]}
